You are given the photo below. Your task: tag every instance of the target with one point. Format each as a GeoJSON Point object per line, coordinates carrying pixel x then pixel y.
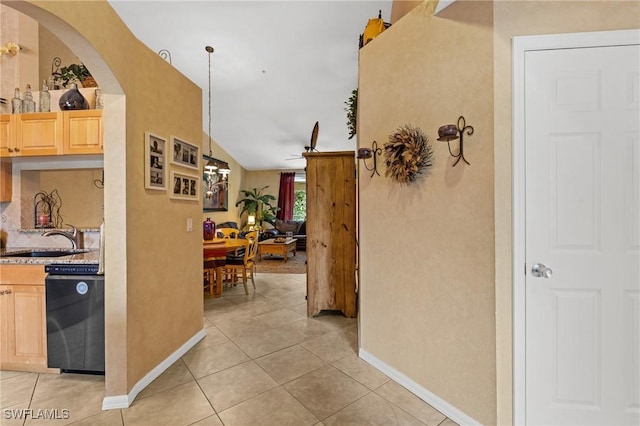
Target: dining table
{"type": "Point", "coordinates": [214, 255]}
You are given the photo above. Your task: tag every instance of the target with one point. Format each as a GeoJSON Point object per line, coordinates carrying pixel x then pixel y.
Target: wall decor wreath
{"type": "Point", "coordinates": [407, 154]}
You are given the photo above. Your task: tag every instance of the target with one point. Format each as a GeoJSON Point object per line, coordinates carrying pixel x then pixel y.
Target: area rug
{"type": "Point", "coordinates": [276, 264]}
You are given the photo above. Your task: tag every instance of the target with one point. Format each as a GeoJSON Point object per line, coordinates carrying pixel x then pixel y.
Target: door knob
{"type": "Point", "coordinates": [539, 270]}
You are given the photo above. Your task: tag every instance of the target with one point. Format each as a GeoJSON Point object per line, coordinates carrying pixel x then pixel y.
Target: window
{"type": "Point", "coordinates": [300, 205]}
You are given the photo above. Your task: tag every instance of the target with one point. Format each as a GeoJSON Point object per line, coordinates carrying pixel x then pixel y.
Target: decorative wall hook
{"type": "Point", "coordinates": [165, 54]}
{"type": "Point", "coordinates": [366, 153]}
{"type": "Point", "coordinates": [55, 65]}
{"type": "Point", "coordinates": [450, 132]}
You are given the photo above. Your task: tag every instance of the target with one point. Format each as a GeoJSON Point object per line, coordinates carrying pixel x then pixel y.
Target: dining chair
{"type": "Point", "coordinates": [246, 264]}
{"type": "Point", "coordinates": [208, 275]}
{"type": "Point", "coordinates": [231, 233]}
{"type": "Point", "coordinates": [228, 232]}
{"type": "Point", "coordinates": [212, 257]}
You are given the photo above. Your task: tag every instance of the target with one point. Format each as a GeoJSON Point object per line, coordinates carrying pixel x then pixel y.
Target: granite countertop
{"type": "Point", "coordinates": [86, 256]}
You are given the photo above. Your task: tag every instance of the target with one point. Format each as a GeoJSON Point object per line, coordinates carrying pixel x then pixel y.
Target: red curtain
{"type": "Point", "coordinates": [286, 196]}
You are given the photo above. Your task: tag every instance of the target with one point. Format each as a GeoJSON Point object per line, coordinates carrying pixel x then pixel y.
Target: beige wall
{"type": "Point", "coordinates": [426, 249]}
{"type": "Point", "coordinates": [400, 8]}
{"type": "Point", "coordinates": [443, 284]}
{"type": "Point", "coordinates": [82, 198]}
{"type": "Point", "coordinates": [517, 19]}
{"type": "Point", "coordinates": [51, 47]}
{"type": "Point", "coordinates": [17, 71]}
{"type": "Point", "coordinates": [261, 178]}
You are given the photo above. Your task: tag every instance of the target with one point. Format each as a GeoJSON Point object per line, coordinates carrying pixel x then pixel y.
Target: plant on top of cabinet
{"type": "Point", "coordinates": [73, 73]}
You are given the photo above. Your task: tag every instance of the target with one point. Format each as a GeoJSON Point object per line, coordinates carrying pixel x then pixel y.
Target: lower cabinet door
{"type": "Point", "coordinates": [24, 322]}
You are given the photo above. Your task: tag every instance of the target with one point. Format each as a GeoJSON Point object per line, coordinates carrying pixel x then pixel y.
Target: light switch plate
{"type": "Point", "coordinates": [189, 224]}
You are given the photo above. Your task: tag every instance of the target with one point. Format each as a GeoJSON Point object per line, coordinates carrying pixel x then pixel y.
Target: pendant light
{"type": "Point", "coordinates": [210, 167]}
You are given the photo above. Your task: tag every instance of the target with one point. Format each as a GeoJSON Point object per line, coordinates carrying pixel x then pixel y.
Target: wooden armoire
{"type": "Point", "coordinates": [331, 232]}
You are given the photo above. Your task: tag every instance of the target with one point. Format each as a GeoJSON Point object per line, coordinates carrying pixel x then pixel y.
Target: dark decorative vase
{"type": "Point", "coordinates": [73, 99]}
{"type": "Point", "coordinates": [209, 229]}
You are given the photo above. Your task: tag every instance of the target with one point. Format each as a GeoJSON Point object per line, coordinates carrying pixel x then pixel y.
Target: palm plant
{"type": "Point", "coordinates": [259, 204]}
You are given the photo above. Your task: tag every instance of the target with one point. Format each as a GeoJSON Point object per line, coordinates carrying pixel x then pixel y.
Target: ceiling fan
{"type": "Point", "coordinates": [312, 144]}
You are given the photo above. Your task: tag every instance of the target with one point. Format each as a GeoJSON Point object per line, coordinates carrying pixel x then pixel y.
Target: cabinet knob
{"type": "Point", "coordinates": [8, 291]}
{"type": "Point", "coordinates": [17, 149]}
{"type": "Point", "coordinates": [10, 149]}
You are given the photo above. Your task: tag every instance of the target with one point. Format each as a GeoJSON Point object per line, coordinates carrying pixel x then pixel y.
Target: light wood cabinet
{"type": "Point", "coordinates": [51, 133]}
{"type": "Point", "coordinates": [331, 233]}
{"type": "Point", "coordinates": [38, 134]}
{"type": "Point", "coordinates": [6, 180]}
{"type": "Point", "coordinates": [23, 319]}
{"type": "Point", "coordinates": [83, 132]}
{"type": "Point", "coordinates": [7, 132]}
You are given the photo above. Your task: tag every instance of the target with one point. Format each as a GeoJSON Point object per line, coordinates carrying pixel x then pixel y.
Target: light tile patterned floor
{"type": "Point", "coordinates": [263, 362]}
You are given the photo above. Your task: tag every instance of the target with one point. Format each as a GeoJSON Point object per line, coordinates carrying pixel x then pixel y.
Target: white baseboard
{"type": "Point", "coordinates": [125, 401]}
{"type": "Point", "coordinates": [427, 396]}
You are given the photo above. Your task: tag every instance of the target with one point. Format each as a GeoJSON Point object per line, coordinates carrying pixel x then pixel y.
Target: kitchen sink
{"type": "Point", "coordinates": [42, 253]}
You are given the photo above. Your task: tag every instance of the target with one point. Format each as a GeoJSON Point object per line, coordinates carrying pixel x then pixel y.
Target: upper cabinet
{"type": "Point", "coordinates": [51, 133]}
{"type": "Point", "coordinates": [83, 132]}
{"type": "Point", "coordinates": [37, 134]}
{"type": "Point", "coordinates": [7, 131]}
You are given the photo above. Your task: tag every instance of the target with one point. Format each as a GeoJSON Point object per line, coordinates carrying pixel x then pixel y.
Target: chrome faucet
{"type": "Point", "coordinates": [76, 237]}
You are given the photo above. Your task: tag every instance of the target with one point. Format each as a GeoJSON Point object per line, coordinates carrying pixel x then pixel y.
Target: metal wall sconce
{"type": "Point", "coordinates": [450, 132]}
{"type": "Point", "coordinates": [366, 153]}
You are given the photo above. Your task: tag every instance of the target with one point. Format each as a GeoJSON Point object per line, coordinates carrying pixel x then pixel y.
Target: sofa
{"type": "Point", "coordinates": [297, 227]}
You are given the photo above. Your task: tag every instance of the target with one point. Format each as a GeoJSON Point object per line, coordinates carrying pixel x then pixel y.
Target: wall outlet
{"type": "Point", "coordinates": [189, 224]}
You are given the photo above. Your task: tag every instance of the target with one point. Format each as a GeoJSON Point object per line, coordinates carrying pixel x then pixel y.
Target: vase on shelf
{"type": "Point", "coordinates": [73, 99]}
{"type": "Point", "coordinates": [208, 229]}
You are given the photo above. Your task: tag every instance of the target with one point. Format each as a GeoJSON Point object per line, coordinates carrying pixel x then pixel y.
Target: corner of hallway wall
{"type": "Point", "coordinates": [400, 8]}
{"type": "Point", "coordinates": [159, 99]}
{"type": "Point", "coordinates": [512, 19]}
{"type": "Point", "coordinates": [426, 290]}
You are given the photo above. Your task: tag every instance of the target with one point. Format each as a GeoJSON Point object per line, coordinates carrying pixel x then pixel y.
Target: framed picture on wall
{"type": "Point", "coordinates": [155, 162]}
{"type": "Point", "coordinates": [184, 153]}
{"type": "Point", "coordinates": [215, 186]}
{"type": "Point", "coordinates": [185, 187]}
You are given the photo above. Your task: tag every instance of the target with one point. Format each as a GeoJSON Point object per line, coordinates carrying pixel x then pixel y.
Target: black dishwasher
{"type": "Point", "coordinates": [75, 318]}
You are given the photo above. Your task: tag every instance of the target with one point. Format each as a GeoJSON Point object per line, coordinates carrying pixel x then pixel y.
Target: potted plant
{"type": "Point", "coordinates": [352, 112]}
{"type": "Point", "coordinates": [259, 204]}
{"type": "Point", "coordinates": [74, 73]}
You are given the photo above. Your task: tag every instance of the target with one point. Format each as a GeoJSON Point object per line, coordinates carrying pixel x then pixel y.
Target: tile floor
{"type": "Point", "coordinates": [263, 362]}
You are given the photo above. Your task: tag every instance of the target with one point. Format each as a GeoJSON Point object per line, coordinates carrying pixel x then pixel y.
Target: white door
{"type": "Point", "coordinates": [582, 227]}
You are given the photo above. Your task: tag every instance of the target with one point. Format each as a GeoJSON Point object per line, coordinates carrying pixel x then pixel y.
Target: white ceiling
{"type": "Point", "coordinates": [278, 67]}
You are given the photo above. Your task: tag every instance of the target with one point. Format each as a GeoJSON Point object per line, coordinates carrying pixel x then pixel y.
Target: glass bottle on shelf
{"type": "Point", "coordinates": [45, 98]}
{"type": "Point", "coordinates": [28, 104]}
{"type": "Point", "coordinates": [16, 102]}
{"type": "Point", "coordinates": [99, 99]}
